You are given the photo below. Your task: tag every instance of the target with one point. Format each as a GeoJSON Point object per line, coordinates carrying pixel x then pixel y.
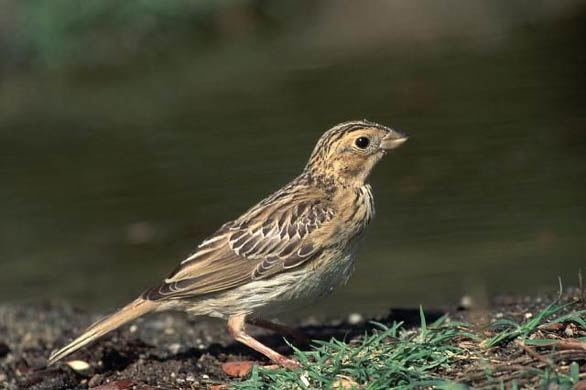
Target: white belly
{"type": "Point", "coordinates": [285, 291]}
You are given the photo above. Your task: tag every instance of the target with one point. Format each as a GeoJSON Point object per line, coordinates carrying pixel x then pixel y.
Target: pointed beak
{"type": "Point", "coordinates": [392, 140]}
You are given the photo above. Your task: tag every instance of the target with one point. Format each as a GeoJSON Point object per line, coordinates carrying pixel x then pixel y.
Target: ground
{"type": "Point", "coordinates": [172, 351]}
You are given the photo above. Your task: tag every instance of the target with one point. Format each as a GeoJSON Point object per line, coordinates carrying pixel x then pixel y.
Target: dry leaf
{"type": "Point", "coordinates": [580, 385]}
{"type": "Point", "coordinates": [218, 387]}
{"type": "Point", "coordinates": [237, 369]}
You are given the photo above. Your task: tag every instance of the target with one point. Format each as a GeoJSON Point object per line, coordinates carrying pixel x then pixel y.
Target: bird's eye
{"type": "Point", "coordinates": [362, 142]}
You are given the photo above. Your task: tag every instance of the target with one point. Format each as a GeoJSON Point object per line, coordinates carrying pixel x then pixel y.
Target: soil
{"type": "Point", "coordinates": [173, 351]}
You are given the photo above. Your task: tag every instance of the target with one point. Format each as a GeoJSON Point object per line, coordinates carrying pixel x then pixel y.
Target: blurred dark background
{"type": "Point", "coordinates": [131, 130]}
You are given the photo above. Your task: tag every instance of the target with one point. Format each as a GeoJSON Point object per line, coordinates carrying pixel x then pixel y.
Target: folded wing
{"type": "Point", "coordinates": [277, 234]}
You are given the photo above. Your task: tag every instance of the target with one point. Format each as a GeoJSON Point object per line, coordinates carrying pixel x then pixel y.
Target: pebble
{"type": "Point", "coordinates": [304, 380]}
{"type": "Point", "coordinates": [94, 380]}
{"type": "Point", "coordinates": [133, 328]}
{"type": "Point", "coordinates": [175, 348]}
{"type": "Point", "coordinates": [466, 302]}
{"type": "Point", "coordinates": [78, 365]}
{"type": "Point", "coordinates": [355, 318]}
{"type": "Point", "coordinates": [528, 315]}
{"type": "Point", "coordinates": [29, 341]}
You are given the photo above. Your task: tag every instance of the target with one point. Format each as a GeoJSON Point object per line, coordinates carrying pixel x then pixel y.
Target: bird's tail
{"type": "Point", "coordinates": [127, 313]}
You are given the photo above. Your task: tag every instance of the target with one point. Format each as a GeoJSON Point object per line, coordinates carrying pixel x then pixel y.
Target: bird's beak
{"type": "Point", "coordinates": [392, 140]}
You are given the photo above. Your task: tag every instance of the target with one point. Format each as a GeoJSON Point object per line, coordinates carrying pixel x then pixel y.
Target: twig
{"type": "Point", "coordinates": [535, 355]}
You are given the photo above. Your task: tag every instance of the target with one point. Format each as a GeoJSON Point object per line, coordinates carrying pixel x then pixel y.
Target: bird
{"type": "Point", "coordinates": [292, 247]}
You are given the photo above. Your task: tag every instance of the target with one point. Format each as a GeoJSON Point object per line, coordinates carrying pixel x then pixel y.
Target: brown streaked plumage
{"type": "Point", "coordinates": [290, 248]}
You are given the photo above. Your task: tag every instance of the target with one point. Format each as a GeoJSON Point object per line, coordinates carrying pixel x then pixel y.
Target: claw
{"type": "Point", "coordinates": [236, 328]}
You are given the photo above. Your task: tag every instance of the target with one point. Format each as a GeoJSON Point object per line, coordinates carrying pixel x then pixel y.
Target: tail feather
{"type": "Point", "coordinates": [129, 312]}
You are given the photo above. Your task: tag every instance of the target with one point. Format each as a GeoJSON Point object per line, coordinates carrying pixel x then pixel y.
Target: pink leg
{"type": "Point", "coordinates": [236, 329]}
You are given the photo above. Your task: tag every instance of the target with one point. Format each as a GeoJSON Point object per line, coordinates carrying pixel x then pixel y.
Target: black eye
{"type": "Point", "coordinates": [362, 142]}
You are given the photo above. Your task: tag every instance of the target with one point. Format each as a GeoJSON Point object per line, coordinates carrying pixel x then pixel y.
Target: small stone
{"type": "Point", "coordinates": [29, 341]}
{"type": "Point", "coordinates": [133, 328]}
{"type": "Point", "coordinates": [175, 348]}
{"type": "Point", "coordinates": [498, 315]}
{"type": "Point", "coordinates": [94, 380]}
{"type": "Point", "coordinates": [78, 365]}
{"type": "Point", "coordinates": [466, 302]}
{"type": "Point", "coordinates": [304, 380]}
{"type": "Point", "coordinates": [528, 315]}
{"type": "Point", "coordinates": [205, 376]}
{"type": "Point", "coordinates": [355, 318]}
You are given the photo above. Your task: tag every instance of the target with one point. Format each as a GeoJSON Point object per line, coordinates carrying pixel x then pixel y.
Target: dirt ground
{"type": "Point", "coordinates": [170, 350]}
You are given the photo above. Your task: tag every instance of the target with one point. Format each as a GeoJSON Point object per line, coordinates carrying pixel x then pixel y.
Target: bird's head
{"type": "Point", "coordinates": [346, 153]}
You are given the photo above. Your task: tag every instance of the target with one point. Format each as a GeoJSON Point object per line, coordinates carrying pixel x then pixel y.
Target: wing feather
{"type": "Point", "coordinates": [273, 236]}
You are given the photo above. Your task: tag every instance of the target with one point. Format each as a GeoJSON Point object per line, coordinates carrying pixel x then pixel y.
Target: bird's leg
{"type": "Point", "coordinates": [279, 328]}
{"type": "Point", "coordinates": [236, 329]}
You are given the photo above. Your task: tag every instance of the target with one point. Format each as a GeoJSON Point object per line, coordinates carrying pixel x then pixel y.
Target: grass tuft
{"type": "Point", "coordinates": [512, 330]}
{"type": "Point", "coordinates": [388, 356]}
{"type": "Point", "coordinates": [442, 355]}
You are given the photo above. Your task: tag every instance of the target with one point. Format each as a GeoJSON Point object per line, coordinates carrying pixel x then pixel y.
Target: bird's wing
{"type": "Point", "coordinates": [273, 236]}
